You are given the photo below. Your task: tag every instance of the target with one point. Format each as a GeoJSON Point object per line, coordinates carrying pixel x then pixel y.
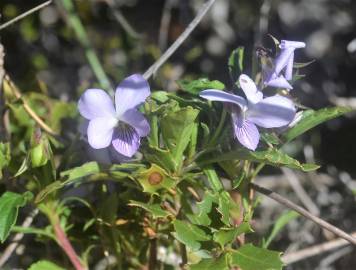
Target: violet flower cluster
{"type": "Point", "coordinates": [122, 125]}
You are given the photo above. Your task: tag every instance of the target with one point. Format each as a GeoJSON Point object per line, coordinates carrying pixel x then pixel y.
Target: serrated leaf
{"type": "Point", "coordinates": [227, 208]}
{"type": "Point", "coordinates": [270, 156]}
{"type": "Point", "coordinates": [45, 265]}
{"type": "Point", "coordinates": [10, 202]}
{"type": "Point", "coordinates": [154, 209]}
{"type": "Point", "coordinates": [204, 208]}
{"type": "Point", "coordinates": [227, 236]}
{"type": "Point", "coordinates": [220, 263]}
{"type": "Point", "coordinates": [249, 257]}
{"type": "Point", "coordinates": [196, 86]}
{"type": "Point", "coordinates": [81, 171]}
{"type": "Point", "coordinates": [311, 118]}
{"type": "Point", "coordinates": [235, 63]}
{"type": "Point", "coordinates": [189, 234]}
{"type": "Point", "coordinates": [177, 128]}
{"type": "Point", "coordinates": [282, 221]}
{"type": "Point", "coordinates": [161, 157]}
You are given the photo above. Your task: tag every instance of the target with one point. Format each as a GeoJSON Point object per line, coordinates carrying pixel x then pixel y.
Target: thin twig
{"type": "Point", "coordinates": [302, 254]}
{"type": "Point", "coordinates": [25, 14]}
{"type": "Point", "coordinates": [300, 191]}
{"type": "Point", "coordinates": [152, 69]}
{"type": "Point", "coordinates": [122, 20]}
{"type": "Point", "coordinates": [303, 212]}
{"type": "Point", "coordinates": [17, 238]}
{"type": "Point", "coordinates": [28, 109]}
{"type": "Point", "coordinates": [165, 21]}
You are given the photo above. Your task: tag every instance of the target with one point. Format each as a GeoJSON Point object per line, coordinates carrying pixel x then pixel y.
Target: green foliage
{"type": "Point", "coordinates": [311, 118]}
{"type": "Point", "coordinates": [196, 86]}
{"type": "Point", "coordinates": [271, 156]}
{"type": "Point", "coordinates": [10, 203]}
{"type": "Point", "coordinates": [5, 156]}
{"type": "Point", "coordinates": [249, 257]}
{"type": "Point", "coordinates": [154, 209]}
{"type": "Point", "coordinates": [45, 265]}
{"type": "Point", "coordinates": [235, 63]}
{"type": "Point", "coordinates": [220, 263]}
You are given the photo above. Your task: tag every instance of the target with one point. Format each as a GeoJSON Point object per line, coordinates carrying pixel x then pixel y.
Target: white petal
{"type": "Point", "coordinates": [130, 93]}
{"type": "Point", "coordinates": [100, 131]}
{"type": "Point", "coordinates": [95, 103]}
{"type": "Point", "coordinates": [249, 87]}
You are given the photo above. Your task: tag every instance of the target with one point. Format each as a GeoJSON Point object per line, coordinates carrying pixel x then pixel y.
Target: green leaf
{"type": "Point", "coordinates": [81, 171]}
{"type": "Point", "coordinates": [161, 157]}
{"type": "Point", "coordinates": [235, 63]}
{"type": "Point", "coordinates": [154, 209]}
{"type": "Point", "coordinates": [249, 257]}
{"type": "Point", "coordinates": [227, 236]}
{"type": "Point", "coordinates": [227, 208]}
{"type": "Point", "coordinates": [45, 265]}
{"type": "Point", "coordinates": [60, 111]}
{"type": "Point", "coordinates": [220, 263]}
{"type": "Point", "coordinates": [5, 156]}
{"type": "Point", "coordinates": [311, 118]}
{"type": "Point", "coordinates": [270, 138]}
{"type": "Point", "coordinates": [270, 156]}
{"type": "Point", "coordinates": [48, 190]}
{"type": "Point", "coordinates": [301, 65]}
{"type": "Point", "coordinates": [10, 202]}
{"type": "Point", "coordinates": [282, 221]}
{"type": "Point", "coordinates": [194, 87]}
{"type": "Point", "coordinates": [177, 128]}
{"type": "Point", "coordinates": [204, 208]}
{"type": "Point", "coordinates": [189, 234]}
{"type": "Point", "coordinates": [40, 152]}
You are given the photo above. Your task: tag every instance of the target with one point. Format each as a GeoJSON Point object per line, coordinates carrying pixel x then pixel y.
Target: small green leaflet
{"type": "Point", "coordinates": [226, 236]}
{"type": "Point", "coordinates": [220, 263]}
{"type": "Point", "coordinates": [311, 118]}
{"type": "Point", "coordinates": [4, 156]}
{"type": "Point", "coordinates": [235, 63]}
{"type": "Point", "coordinates": [154, 209]}
{"type": "Point", "coordinates": [81, 171]}
{"type": "Point", "coordinates": [249, 257]}
{"type": "Point", "coordinates": [45, 265]}
{"type": "Point", "coordinates": [189, 234]}
{"type": "Point", "coordinates": [10, 202]}
{"type": "Point", "coordinates": [196, 86]}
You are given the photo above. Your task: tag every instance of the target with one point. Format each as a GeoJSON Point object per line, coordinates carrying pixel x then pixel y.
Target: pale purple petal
{"type": "Point", "coordinates": [279, 82]}
{"type": "Point", "coordinates": [249, 87]}
{"type": "Point", "coordinates": [275, 111]}
{"type": "Point", "coordinates": [95, 103]}
{"type": "Point", "coordinates": [245, 131]}
{"type": "Point", "coordinates": [100, 131]}
{"type": "Point", "coordinates": [218, 95]}
{"type": "Point", "coordinates": [291, 44]}
{"type": "Point", "coordinates": [282, 59]}
{"type": "Point", "coordinates": [135, 118]}
{"type": "Point", "coordinates": [289, 68]}
{"type": "Point", "coordinates": [130, 93]}
{"type": "Point", "coordinates": [126, 141]}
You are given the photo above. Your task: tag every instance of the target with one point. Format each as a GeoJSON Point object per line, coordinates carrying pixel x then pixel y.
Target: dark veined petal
{"type": "Point", "coordinates": [95, 103]}
{"type": "Point", "coordinates": [218, 95]}
{"type": "Point", "coordinates": [136, 119]}
{"type": "Point", "coordinates": [245, 131]}
{"type": "Point", "coordinates": [249, 87]}
{"type": "Point", "coordinates": [100, 132]}
{"type": "Point", "coordinates": [271, 112]}
{"type": "Point", "coordinates": [130, 93]}
{"type": "Point", "coordinates": [126, 140]}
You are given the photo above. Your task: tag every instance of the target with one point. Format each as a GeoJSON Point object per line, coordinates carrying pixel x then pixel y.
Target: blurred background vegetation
{"type": "Point", "coordinates": [45, 55]}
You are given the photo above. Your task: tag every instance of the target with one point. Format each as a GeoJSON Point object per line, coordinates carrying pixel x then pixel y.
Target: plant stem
{"type": "Point", "coordinates": [152, 263]}
{"type": "Point", "coordinates": [75, 22]}
{"type": "Point", "coordinates": [322, 223]}
{"type": "Point", "coordinates": [219, 128]}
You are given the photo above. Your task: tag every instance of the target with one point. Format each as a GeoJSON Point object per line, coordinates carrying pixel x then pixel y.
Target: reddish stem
{"type": "Point", "coordinates": [67, 247]}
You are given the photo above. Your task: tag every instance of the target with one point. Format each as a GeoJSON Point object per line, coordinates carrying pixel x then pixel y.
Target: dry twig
{"type": "Point", "coordinates": [25, 14]}
{"type": "Point", "coordinates": [152, 69]}
{"type": "Point", "coordinates": [308, 252]}
{"type": "Point", "coordinates": [322, 223]}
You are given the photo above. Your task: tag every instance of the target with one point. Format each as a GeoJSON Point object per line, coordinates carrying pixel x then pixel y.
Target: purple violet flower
{"type": "Point", "coordinates": [285, 61]}
{"type": "Point", "coordinates": [270, 112]}
{"type": "Point", "coordinates": [122, 125]}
